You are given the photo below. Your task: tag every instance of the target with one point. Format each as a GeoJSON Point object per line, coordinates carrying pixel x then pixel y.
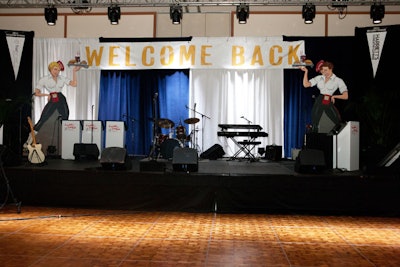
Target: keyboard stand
{"type": "Point", "coordinates": [245, 146]}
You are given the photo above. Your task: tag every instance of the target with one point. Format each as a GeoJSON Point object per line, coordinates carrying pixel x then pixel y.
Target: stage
{"type": "Point", "coordinates": [221, 185]}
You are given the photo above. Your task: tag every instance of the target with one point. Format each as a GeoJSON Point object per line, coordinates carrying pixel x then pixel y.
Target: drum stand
{"type": "Point", "coordinates": [9, 191]}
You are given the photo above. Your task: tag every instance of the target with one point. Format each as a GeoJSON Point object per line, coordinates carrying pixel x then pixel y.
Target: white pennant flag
{"type": "Point", "coordinates": [376, 40]}
{"type": "Point", "coordinates": [15, 46]}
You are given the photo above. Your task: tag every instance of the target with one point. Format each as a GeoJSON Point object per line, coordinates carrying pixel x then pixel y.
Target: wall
{"type": "Point", "coordinates": [210, 21]}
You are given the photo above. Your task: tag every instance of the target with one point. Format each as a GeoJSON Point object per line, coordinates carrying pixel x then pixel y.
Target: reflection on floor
{"type": "Point", "coordinates": [43, 236]}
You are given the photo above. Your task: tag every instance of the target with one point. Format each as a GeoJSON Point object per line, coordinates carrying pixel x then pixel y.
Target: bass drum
{"type": "Point", "coordinates": [168, 146]}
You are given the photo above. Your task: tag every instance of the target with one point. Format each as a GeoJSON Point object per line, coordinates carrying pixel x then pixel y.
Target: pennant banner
{"type": "Point", "coordinates": [15, 47]}
{"type": "Point", "coordinates": [199, 53]}
{"type": "Point", "coordinates": [376, 40]}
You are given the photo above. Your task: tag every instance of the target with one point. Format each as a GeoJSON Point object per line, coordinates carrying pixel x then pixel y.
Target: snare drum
{"type": "Point", "coordinates": [168, 146]}
{"type": "Point", "coordinates": [180, 132]}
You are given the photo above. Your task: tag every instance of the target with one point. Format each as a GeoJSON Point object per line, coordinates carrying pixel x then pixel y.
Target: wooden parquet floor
{"type": "Point", "coordinates": [58, 237]}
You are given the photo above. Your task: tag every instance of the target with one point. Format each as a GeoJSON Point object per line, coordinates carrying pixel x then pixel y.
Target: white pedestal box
{"type": "Point", "coordinates": [115, 134]}
{"type": "Point", "coordinates": [348, 147]}
{"type": "Point", "coordinates": [70, 135]}
{"type": "Point", "coordinates": [92, 133]}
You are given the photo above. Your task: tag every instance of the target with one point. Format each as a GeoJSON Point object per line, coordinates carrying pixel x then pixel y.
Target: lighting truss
{"type": "Point", "coordinates": [82, 4]}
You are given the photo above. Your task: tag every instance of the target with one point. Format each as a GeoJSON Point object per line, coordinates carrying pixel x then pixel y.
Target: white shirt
{"type": "Point", "coordinates": [50, 85]}
{"type": "Point", "coordinates": [329, 87]}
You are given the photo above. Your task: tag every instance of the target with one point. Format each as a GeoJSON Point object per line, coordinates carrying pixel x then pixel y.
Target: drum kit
{"type": "Point", "coordinates": [175, 138]}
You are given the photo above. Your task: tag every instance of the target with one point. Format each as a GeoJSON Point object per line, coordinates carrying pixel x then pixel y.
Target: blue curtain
{"type": "Point", "coordinates": [138, 97]}
{"type": "Point", "coordinates": [298, 102]}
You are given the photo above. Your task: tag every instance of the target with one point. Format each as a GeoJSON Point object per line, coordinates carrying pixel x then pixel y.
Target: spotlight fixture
{"type": "Point", "coordinates": [50, 14]}
{"type": "Point", "coordinates": [242, 13]}
{"type": "Point", "coordinates": [114, 14]}
{"type": "Point", "coordinates": [175, 13]}
{"type": "Point", "coordinates": [377, 13]}
{"type": "Point", "coordinates": [308, 13]}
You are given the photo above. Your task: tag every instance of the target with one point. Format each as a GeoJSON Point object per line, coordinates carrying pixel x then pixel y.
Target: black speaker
{"type": "Point", "coordinates": [324, 142]}
{"type": "Point", "coordinates": [115, 158]}
{"type": "Point", "coordinates": [86, 151]}
{"type": "Point", "coordinates": [310, 161]}
{"type": "Point", "coordinates": [273, 152]}
{"type": "Point", "coordinates": [185, 159]}
{"type": "Point", "coordinates": [214, 152]}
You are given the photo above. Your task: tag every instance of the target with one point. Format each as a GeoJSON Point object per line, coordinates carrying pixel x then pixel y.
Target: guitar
{"type": "Point", "coordinates": [35, 154]}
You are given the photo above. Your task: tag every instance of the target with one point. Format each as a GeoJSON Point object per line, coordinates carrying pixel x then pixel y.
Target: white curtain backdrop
{"type": "Point", "coordinates": [81, 99]}
{"type": "Point", "coordinates": [226, 95]}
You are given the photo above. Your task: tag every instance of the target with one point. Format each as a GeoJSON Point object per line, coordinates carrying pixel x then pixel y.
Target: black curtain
{"type": "Point", "coordinates": [298, 100]}
{"type": "Point", "coordinates": [378, 97]}
{"type": "Point", "coordinates": [15, 92]}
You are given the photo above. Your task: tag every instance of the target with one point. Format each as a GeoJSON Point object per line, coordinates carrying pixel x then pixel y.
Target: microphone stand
{"type": "Point", "coordinates": [202, 125]}
{"type": "Point", "coordinates": [155, 120]}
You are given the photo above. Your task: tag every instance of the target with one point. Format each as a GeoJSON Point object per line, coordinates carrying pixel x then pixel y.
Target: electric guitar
{"type": "Point", "coordinates": [35, 154]}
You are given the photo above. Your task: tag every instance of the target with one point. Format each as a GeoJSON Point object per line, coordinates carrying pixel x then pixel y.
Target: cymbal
{"type": "Point", "coordinates": [165, 123]}
{"type": "Point", "coordinates": [192, 120]}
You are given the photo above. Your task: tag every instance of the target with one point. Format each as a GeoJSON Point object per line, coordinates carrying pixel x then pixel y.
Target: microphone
{"type": "Point", "coordinates": [242, 117]}
{"type": "Point", "coordinates": [194, 105]}
{"type": "Point", "coordinates": [155, 94]}
{"type": "Point", "coordinates": [186, 107]}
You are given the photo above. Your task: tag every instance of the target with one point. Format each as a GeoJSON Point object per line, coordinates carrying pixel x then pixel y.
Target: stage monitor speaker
{"type": "Point", "coordinates": [115, 158]}
{"type": "Point", "coordinates": [185, 159]}
{"type": "Point", "coordinates": [86, 151]}
{"type": "Point", "coordinates": [214, 152]}
{"type": "Point", "coordinates": [391, 161]}
{"type": "Point", "coordinates": [273, 153]}
{"type": "Point", "coordinates": [310, 161]}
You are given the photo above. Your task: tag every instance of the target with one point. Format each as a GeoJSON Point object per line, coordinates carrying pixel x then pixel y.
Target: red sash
{"type": "Point", "coordinates": [326, 99]}
{"type": "Point", "coordinates": [54, 97]}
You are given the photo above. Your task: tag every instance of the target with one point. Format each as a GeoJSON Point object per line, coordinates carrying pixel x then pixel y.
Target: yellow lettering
{"type": "Point", "coordinates": [257, 56]}
{"type": "Point", "coordinates": [187, 54]}
{"type": "Point", "coordinates": [204, 54]}
{"type": "Point", "coordinates": [292, 55]}
{"type": "Point", "coordinates": [237, 55]}
{"type": "Point", "coordinates": [128, 57]}
{"type": "Point", "coordinates": [145, 61]}
{"type": "Point", "coordinates": [94, 56]}
{"type": "Point", "coordinates": [163, 53]}
{"type": "Point", "coordinates": [276, 49]}
{"type": "Point", "coordinates": [112, 55]}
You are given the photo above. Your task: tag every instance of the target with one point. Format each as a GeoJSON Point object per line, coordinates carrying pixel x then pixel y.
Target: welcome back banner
{"type": "Point", "coordinates": [199, 53]}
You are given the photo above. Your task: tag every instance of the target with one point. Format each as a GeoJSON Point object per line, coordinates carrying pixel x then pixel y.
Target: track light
{"type": "Point", "coordinates": [377, 13]}
{"type": "Point", "coordinates": [308, 13]}
{"type": "Point", "coordinates": [175, 13]}
{"type": "Point", "coordinates": [242, 13]}
{"type": "Point", "coordinates": [114, 14]}
{"type": "Point", "coordinates": [50, 14]}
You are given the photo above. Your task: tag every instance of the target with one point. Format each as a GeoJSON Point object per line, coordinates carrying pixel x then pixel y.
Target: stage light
{"type": "Point", "coordinates": [175, 13]}
{"type": "Point", "coordinates": [114, 14]}
{"type": "Point", "coordinates": [308, 13]}
{"type": "Point", "coordinates": [50, 14]}
{"type": "Point", "coordinates": [242, 13]}
{"type": "Point", "coordinates": [377, 13]}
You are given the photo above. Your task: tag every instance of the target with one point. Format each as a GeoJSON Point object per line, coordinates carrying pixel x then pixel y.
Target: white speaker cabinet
{"type": "Point", "coordinates": [70, 135]}
{"type": "Point", "coordinates": [346, 145]}
{"type": "Point", "coordinates": [115, 134]}
{"type": "Point", "coordinates": [92, 133]}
